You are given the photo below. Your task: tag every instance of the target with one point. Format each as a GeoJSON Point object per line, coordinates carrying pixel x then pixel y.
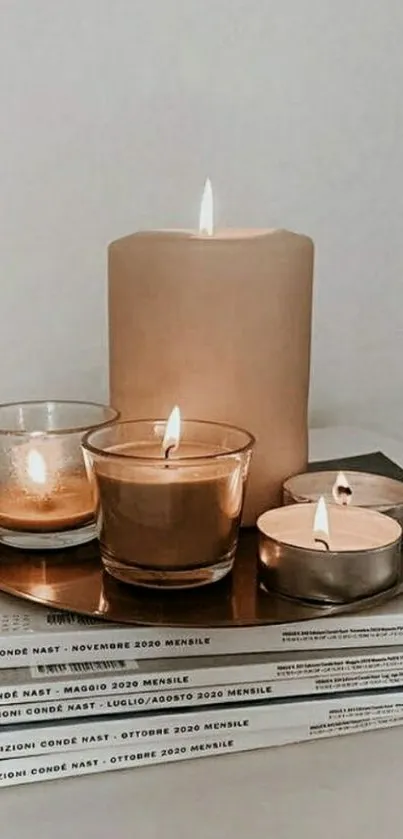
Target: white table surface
{"type": "Point", "coordinates": [343, 787]}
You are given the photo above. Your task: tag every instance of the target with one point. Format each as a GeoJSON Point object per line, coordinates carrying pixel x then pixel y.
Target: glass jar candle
{"type": "Point", "coordinates": [45, 494]}
{"type": "Point", "coordinates": [169, 508]}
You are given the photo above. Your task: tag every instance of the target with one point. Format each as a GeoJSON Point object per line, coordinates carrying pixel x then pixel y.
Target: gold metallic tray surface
{"type": "Point", "coordinates": [74, 580]}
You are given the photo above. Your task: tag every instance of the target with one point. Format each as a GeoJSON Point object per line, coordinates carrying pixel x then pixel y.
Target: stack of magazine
{"type": "Point", "coordinates": [78, 696]}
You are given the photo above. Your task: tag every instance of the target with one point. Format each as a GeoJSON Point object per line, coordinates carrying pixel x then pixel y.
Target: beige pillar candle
{"type": "Point", "coordinates": [221, 325]}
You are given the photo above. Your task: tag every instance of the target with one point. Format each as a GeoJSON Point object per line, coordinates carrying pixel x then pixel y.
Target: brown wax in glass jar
{"type": "Point", "coordinates": [170, 515]}
{"type": "Point", "coordinates": [66, 506]}
{"type": "Point", "coordinates": [170, 498]}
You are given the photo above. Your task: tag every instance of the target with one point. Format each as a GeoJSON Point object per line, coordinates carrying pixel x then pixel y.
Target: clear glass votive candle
{"type": "Point", "coordinates": [46, 499]}
{"type": "Point", "coordinates": [169, 522]}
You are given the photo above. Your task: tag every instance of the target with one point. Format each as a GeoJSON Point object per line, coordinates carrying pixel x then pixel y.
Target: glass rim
{"type": "Point", "coordinates": [156, 461]}
{"type": "Point", "coordinates": [54, 432]}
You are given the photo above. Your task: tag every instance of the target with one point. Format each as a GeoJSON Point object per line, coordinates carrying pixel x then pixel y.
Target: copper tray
{"type": "Point", "coordinates": [73, 580]}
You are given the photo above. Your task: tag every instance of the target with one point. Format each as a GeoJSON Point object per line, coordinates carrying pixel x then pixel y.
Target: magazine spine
{"type": "Point", "coordinates": [23, 770]}
{"type": "Point", "coordinates": [240, 692]}
{"type": "Point", "coordinates": [111, 643]}
{"type": "Point", "coordinates": [321, 713]}
{"type": "Point", "coordinates": [51, 682]}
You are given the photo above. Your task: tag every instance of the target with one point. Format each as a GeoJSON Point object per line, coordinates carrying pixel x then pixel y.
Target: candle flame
{"type": "Point", "coordinates": [341, 490]}
{"type": "Point", "coordinates": [172, 432]}
{"type": "Point", "coordinates": [321, 523]}
{"type": "Point", "coordinates": [206, 221]}
{"type": "Point", "coordinates": [36, 467]}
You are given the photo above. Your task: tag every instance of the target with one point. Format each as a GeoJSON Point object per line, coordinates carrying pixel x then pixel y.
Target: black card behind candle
{"type": "Point", "coordinates": [376, 463]}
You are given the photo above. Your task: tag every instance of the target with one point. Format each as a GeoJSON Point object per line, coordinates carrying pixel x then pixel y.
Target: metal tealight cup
{"type": "Point", "coordinates": [312, 573]}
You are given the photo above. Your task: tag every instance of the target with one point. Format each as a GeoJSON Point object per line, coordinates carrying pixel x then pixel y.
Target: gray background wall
{"type": "Point", "coordinates": [113, 112]}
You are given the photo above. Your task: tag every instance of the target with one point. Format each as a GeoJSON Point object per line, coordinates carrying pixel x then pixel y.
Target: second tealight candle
{"type": "Point", "coordinates": [361, 489]}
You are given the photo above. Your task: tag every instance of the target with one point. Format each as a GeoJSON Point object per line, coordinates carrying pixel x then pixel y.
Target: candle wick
{"type": "Point", "coordinates": [167, 452]}
{"type": "Point", "coordinates": [46, 501]}
{"type": "Point", "coordinates": [323, 542]}
{"type": "Point", "coordinates": [344, 493]}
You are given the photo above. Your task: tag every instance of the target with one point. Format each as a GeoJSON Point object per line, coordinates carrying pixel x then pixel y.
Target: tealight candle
{"type": "Point", "coordinates": [360, 489]}
{"type": "Point", "coordinates": [169, 499]}
{"type": "Point", "coordinates": [331, 554]}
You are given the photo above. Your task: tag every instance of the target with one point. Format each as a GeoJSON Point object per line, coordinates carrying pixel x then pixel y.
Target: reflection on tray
{"type": "Point", "coordinates": [74, 580]}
